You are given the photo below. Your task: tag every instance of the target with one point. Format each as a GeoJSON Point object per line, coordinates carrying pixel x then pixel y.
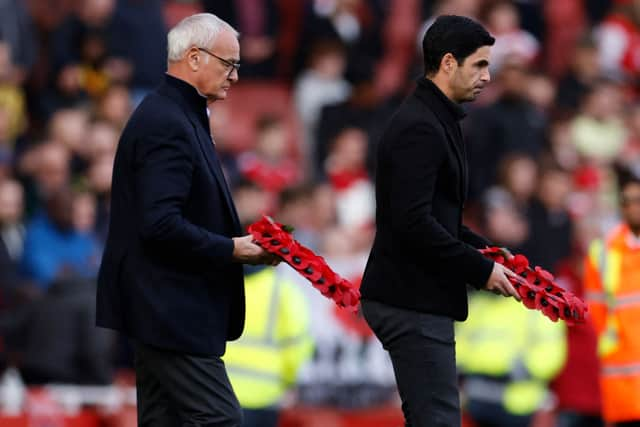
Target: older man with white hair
{"type": "Point", "coordinates": [171, 276]}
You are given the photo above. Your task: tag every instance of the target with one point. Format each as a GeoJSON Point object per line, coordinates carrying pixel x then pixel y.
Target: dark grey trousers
{"type": "Point", "coordinates": [180, 390]}
{"type": "Point", "coordinates": [422, 350]}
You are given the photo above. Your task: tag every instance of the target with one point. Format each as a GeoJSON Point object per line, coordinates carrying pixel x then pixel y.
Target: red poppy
{"type": "Point", "coordinates": [274, 238]}
{"type": "Point", "coordinates": [519, 264]}
{"type": "Point", "coordinates": [538, 290]}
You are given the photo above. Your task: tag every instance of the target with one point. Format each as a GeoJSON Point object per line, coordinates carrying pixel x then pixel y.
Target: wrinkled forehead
{"type": "Point", "coordinates": [227, 45]}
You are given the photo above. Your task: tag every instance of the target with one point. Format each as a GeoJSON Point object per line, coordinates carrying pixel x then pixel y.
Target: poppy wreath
{"type": "Point", "coordinates": [537, 288]}
{"type": "Point", "coordinates": [277, 239]}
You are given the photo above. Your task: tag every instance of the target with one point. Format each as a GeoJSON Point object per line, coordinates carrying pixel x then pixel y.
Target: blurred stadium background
{"type": "Point", "coordinates": [547, 142]}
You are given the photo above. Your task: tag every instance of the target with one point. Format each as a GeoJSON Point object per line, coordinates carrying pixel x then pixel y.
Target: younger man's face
{"type": "Point", "coordinates": [470, 77]}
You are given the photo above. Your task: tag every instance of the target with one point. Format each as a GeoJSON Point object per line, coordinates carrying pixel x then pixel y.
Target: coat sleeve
{"type": "Point", "coordinates": [163, 173]}
{"type": "Point", "coordinates": [416, 156]}
{"type": "Point", "coordinates": [474, 239]}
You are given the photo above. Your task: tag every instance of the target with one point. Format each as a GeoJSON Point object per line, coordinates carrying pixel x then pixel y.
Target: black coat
{"type": "Point", "coordinates": [167, 277]}
{"type": "Point", "coordinates": [423, 256]}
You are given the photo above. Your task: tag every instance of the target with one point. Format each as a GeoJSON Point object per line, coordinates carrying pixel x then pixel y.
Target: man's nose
{"type": "Point", "coordinates": [486, 77]}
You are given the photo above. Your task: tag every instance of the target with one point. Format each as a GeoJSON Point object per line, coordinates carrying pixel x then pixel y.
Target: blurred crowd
{"type": "Point", "coordinates": [547, 141]}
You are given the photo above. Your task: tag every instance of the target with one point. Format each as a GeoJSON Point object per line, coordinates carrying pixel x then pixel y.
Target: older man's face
{"type": "Point", "coordinates": [217, 76]}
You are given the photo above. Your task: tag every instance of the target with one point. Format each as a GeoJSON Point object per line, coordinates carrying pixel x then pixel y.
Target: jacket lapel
{"type": "Point", "coordinates": [459, 155]}
{"type": "Point", "coordinates": [206, 146]}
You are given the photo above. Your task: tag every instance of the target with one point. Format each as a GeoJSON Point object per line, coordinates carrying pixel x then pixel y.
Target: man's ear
{"type": "Point", "coordinates": [193, 58]}
{"type": "Point", "coordinates": [448, 63]}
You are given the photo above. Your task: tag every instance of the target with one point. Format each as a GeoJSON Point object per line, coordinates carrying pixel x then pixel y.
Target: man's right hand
{"type": "Point", "coordinates": [499, 284]}
{"type": "Point", "coordinates": [247, 252]}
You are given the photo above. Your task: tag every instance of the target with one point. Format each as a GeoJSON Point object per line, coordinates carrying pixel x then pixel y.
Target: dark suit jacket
{"type": "Point", "coordinates": [423, 256]}
{"type": "Point", "coordinates": [167, 276]}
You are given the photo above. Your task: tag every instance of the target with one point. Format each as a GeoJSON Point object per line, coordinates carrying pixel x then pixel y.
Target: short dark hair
{"type": "Point", "coordinates": [626, 176]}
{"type": "Point", "coordinates": [457, 35]}
{"type": "Point", "coordinates": [295, 194]}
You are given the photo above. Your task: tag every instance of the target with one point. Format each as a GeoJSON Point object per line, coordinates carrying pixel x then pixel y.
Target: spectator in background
{"type": "Point", "coordinates": [6, 163]}
{"type": "Point", "coordinates": [503, 219]}
{"type": "Point", "coordinates": [506, 365]}
{"type": "Point", "coordinates": [48, 168]}
{"type": "Point", "coordinates": [13, 108]}
{"type": "Point", "coordinates": [251, 200]}
{"type": "Point", "coordinates": [145, 46]}
{"type": "Point", "coordinates": [561, 147]}
{"type": "Point", "coordinates": [270, 164]}
{"type": "Point", "coordinates": [512, 124]}
{"type": "Point", "coordinates": [219, 123]}
{"type": "Point", "coordinates": [507, 391]}
{"type": "Point", "coordinates": [541, 92]}
{"type": "Point", "coordinates": [276, 328]}
{"type": "Point", "coordinates": [598, 131]}
{"type": "Point", "coordinates": [54, 248]}
{"type": "Point", "coordinates": [354, 23]}
{"type": "Point", "coordinates": [88, 52]}
{"type": "Point", "coordinates": [577, 385]}
{"type": "Point", "coordinates": [583, 73]}
{"type": "Point", "coordinates": [69, 128]}
{"type": "Point", "coordinates": [115, 106]}
{"type": "Point", "coordinates": [346, 170]}
{"type": "Point", "coordinates": [16, 30]}
{"type": "Point", "coordinates": [101, 140]}
{"type": "Point", "coordinates": [363, 109]}
{"type": "Point", "coordinates": [83, 216]}
{"type": "Point", "coordinates": [101, 43]}
{"type": "Point", "coordinates": [550, 226]}
{"type": "Point", "coordinates": [60, 341]}
{"type": "Point", "coordinates": [631, 153]}
{"type": "Point", "coordinates": [319, 85]}
{"type": "Point", "coordinates": [323, 202]}
{"type": "Point", "coordinates": [618, 39]}
{"type": "Point", "coordinates": [12, 231]}
{"type": "Point", "coordinates": [259, 23]}
{"type": "Point", "coordinates": [518, 175]}
{"type": "Point", "coordinates": [503, 22]}
{"type": "Point", "coordinates": [295, 208]}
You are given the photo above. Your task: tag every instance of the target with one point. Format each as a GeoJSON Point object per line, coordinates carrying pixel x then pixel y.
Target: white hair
{"type": "Point", "coordinates": [198, 30]}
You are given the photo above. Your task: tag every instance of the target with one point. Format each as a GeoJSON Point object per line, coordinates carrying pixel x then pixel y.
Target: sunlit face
{"type": "Point", "coordinates": [467, 80]}
{"type": "Point", "coordinates": [215, 69]}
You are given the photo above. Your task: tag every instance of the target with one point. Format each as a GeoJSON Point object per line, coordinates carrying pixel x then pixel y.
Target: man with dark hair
{"type": "Point", "coordinates": [414, 285]}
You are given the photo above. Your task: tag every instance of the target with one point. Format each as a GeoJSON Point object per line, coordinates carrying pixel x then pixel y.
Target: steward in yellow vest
{"type": "Point", "coordinates": [263, 364]}
{"type": "Point", "coordinates": [507, 355]}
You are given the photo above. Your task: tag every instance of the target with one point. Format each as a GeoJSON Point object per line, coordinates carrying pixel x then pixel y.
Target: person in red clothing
{"type": "Point", "coordinates": [577, 387]}
{"type": "Point", "coordinates": [619, 40]}
{"type": "Point", "coordinates": [269, 165]}
{"type": "Point", "coordinates": [346, 170]}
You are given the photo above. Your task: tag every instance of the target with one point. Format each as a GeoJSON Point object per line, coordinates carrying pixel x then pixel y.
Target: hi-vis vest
{"type": "Point", "coordinates": [508, 353]}
{"type": "Point", "coordinates": [264, 362]}
{"type": "Point", "coordinates": [612, 284]}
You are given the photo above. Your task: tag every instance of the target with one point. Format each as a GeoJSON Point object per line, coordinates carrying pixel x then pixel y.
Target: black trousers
{"type": "Point", "coordinates": [180, 390]}
{"type": "Point", "coordinates": [422, 350]}
{"type": "Point", "coordinates": [267, 417]}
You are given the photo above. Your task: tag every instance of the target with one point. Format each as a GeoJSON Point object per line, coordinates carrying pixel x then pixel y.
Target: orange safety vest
{"type": "Point", "coordinates": [612, 284]}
